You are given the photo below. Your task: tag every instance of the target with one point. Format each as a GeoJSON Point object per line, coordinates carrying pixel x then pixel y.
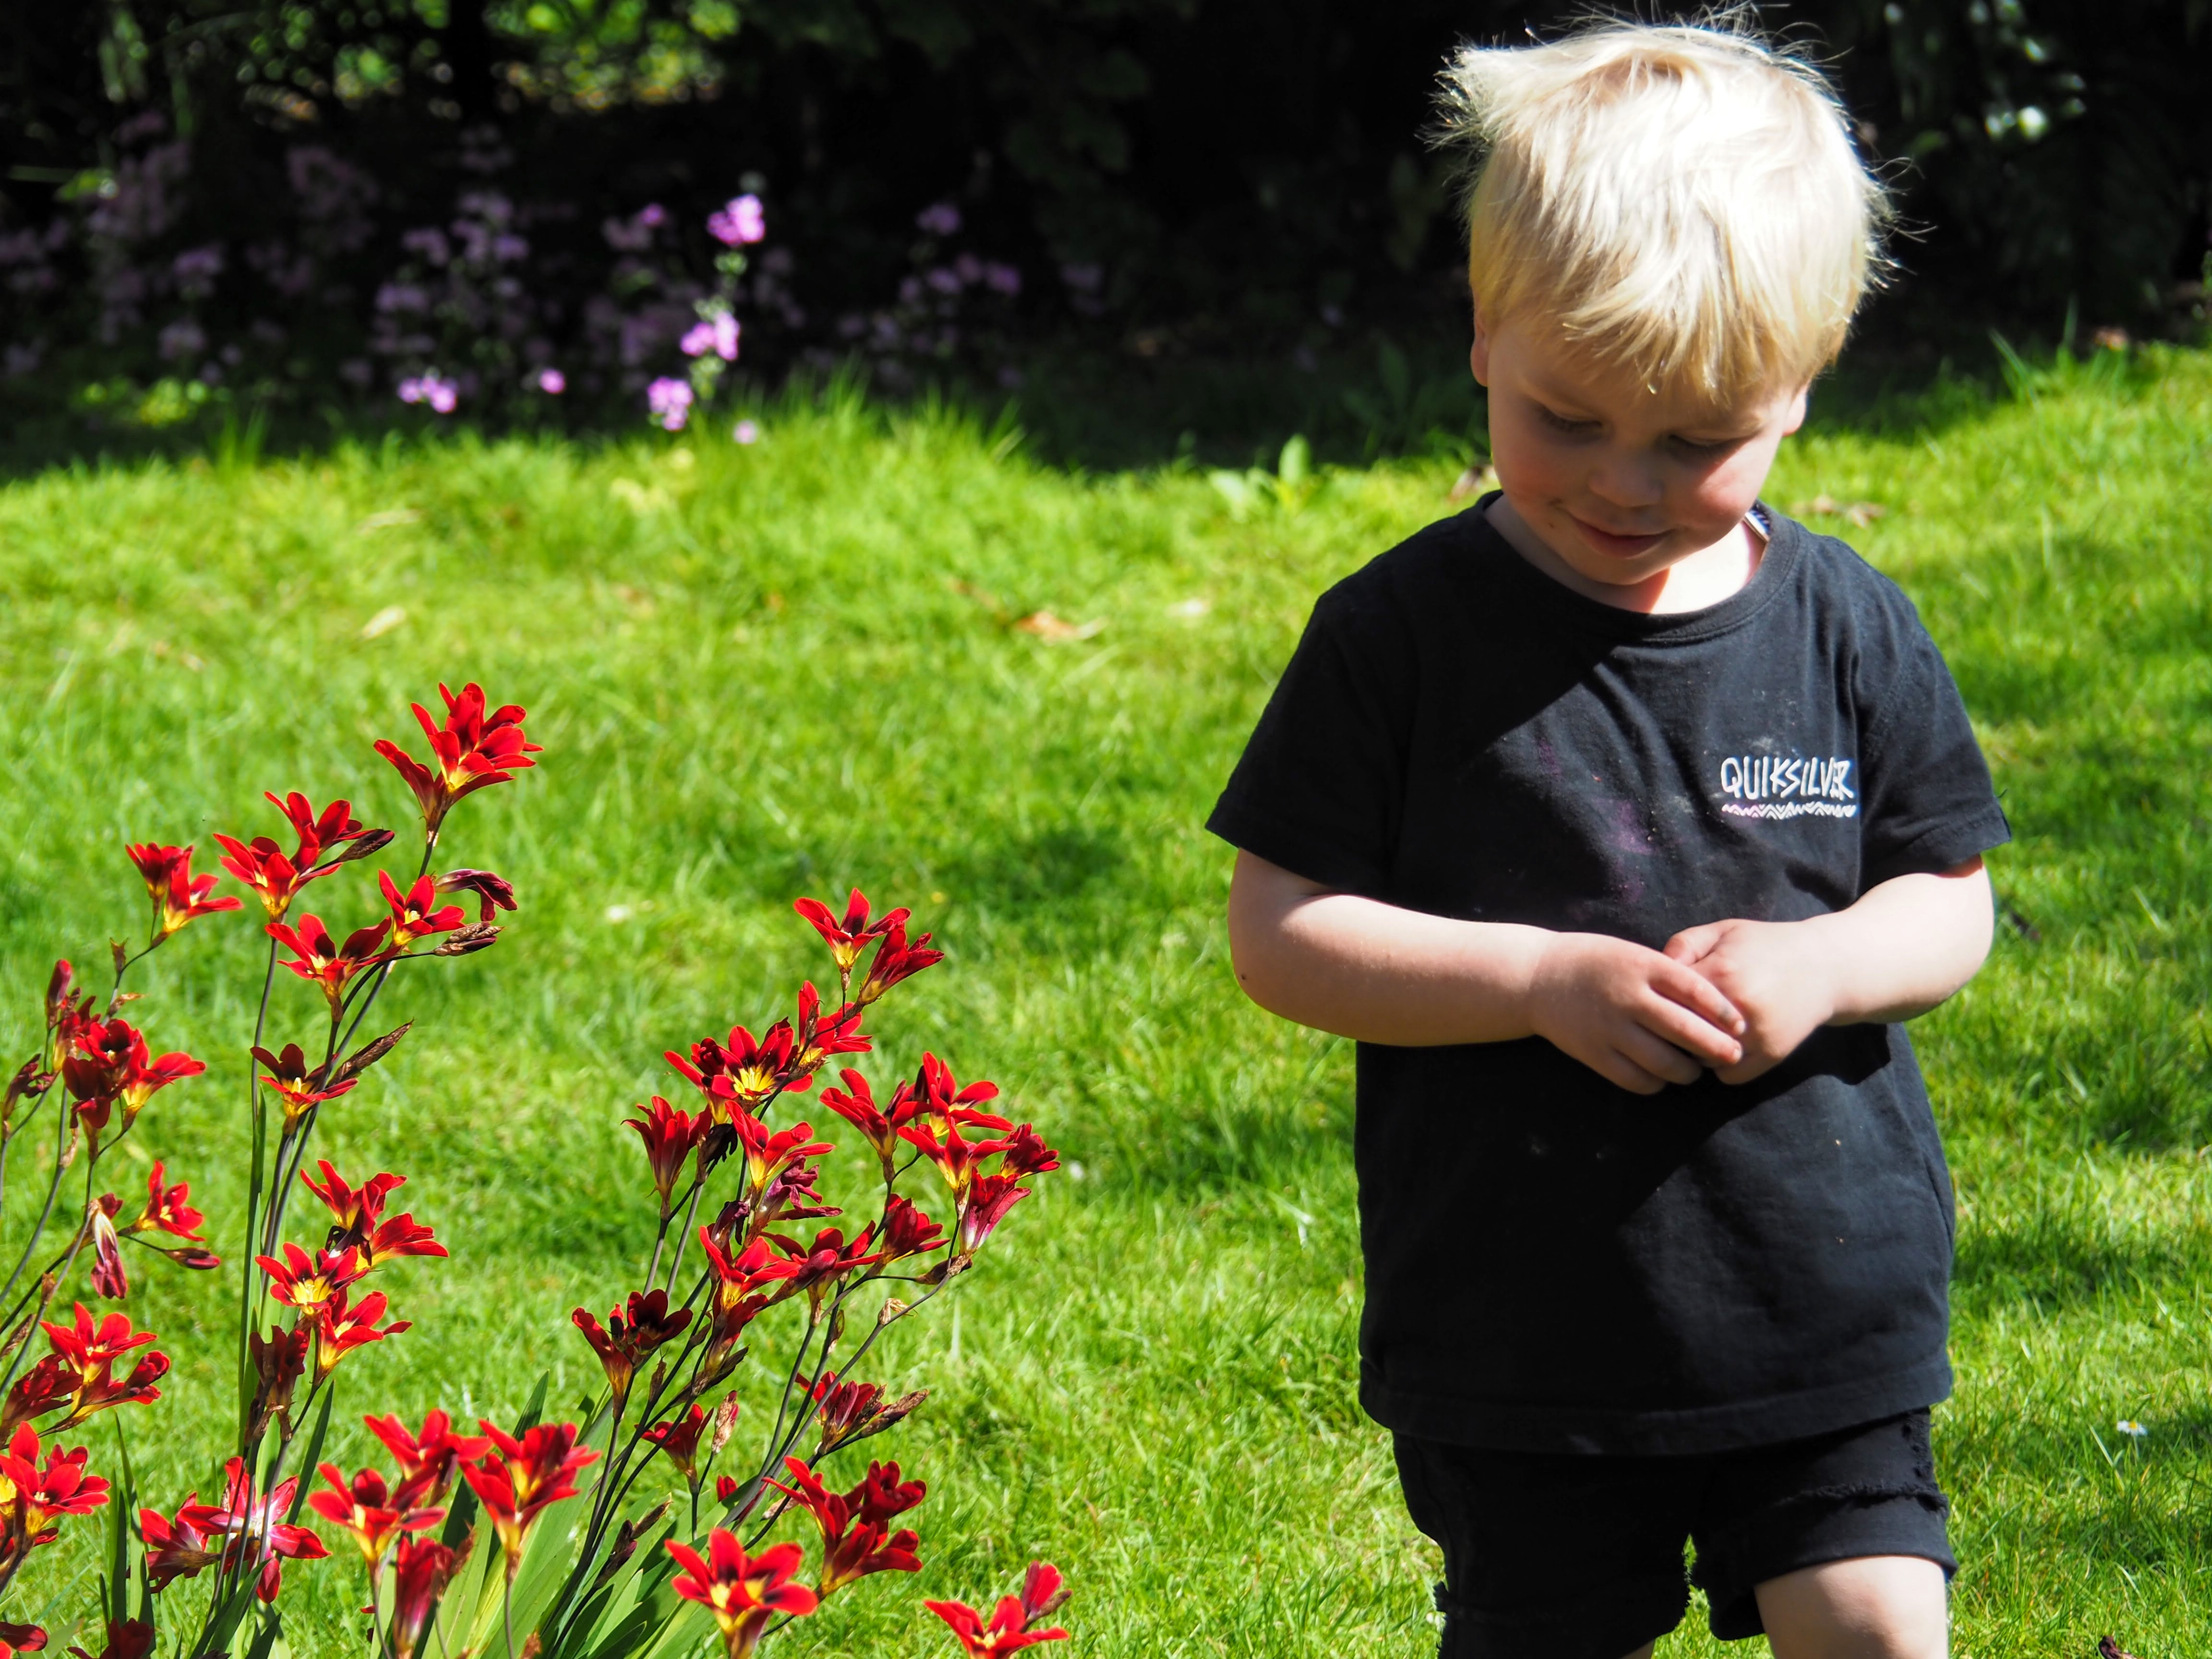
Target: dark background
{"type": "Point", "coordinates": [1205, 199]}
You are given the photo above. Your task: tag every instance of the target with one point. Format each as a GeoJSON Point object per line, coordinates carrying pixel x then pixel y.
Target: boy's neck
{"type": "Point", "coordinates": [1694, 582]}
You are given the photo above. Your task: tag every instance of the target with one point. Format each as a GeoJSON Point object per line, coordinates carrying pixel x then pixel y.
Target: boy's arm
{"type": "Point", "coordinates": [1906, 946]}
{"type": "Point", "coordinates": [1369, 970]}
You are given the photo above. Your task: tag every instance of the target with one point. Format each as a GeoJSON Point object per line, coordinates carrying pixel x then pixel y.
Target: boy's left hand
{"type": "Point", "coordinates": [1775, 974]}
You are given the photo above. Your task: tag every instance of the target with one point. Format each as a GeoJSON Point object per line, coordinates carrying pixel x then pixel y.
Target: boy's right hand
{"type": "Point", "coordinates": [1636, 1017]}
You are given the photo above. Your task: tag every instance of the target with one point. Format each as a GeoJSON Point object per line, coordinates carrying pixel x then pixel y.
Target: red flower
{"type": "Point", "coordinates": [726, 1488]}
{"type": "Point", "coordinates": [428, 1461]}
{"type": "Point", "coordinates": [318, 959]}
{"type": "Point", "coordinates": [943, 1097]}
{"type": "Point", "coordinates": [494, 893]}
{"type": "Point", "coordinates": [21, 1638]}
{"type": "Point", "coordinates": [110, 1064]}
{"type": "Point", "coordinates": [647, 1325]}
{"type": "Point", "coordinates": [91, 1349]}
{"type": "Point", "coordinates": [908, 1230]}
{"type": "Point", "coordinates": [67, 1011]}
{"type": "Point", "coordinates": [177, 895]}
{"type": "Point", "coordinates": [254, 1526]}
{"type": "Point", "coordinates": [306, 1282]}
{"type": "Point", "coordinates": [1027, 1154]}
{"type": "Point", "coordinates": [677, 1440]}
{"type": "Point", "coordinates": [274, 878]}
{"type": "Point", "coordinates": [127, 1638]}
{"type": "Point", "coordinates": [742, 1593]}
{"type": "Point", "coordinates": [516, 1482]}
{"type": "Point", "coordinates": [853, 1410]}
{"type": "Point", "coordinates": [768, 1154]}
{"type": "Point", "coordinates": [300, 1088]}
{"type": "Point", "coordinates": [421, 1568]}
{"type": "Point", "coordinates": [279, 1360]}
{"type": "Point", "coordinates": [174, 1549]}
{"type": "Point", "coordinates": [743, 1073]}
{"type": "Point", "coordinates": [829, 1258]}
{"type": "Point", "coordinates": [814, 1039]}
{"type": "Point", "coordinates": [36, 1498]}
{"type": "Point", "coordinates": [166, 1208]}
{"type": "Point", "coordinates": [317, 831]}
{"type": "Point", "coordinates": [470, 752]}
{"type": "Point", "coordinates": [896, 960]}
{"type": "Point", "coordinates": [108, 1278]}
{"type": "Point", "coordinates": [956, 1159]}
{"type": "Point", "coordinates": [1009, 1629]}
{"type": "Point", "coordinates": [46, 1386]}
{"type": "Point", "coordinates": [878, 1127]}
{"type": "Point", "coordinates": [342, 1326]}
{"type": "Point", "coordinates": [856, 1535]}
{"type": "Point", "coordinates": [413, 913]}
{"type": "Point", "coordinates": [365, 1508]}
{"type": "Point", "coordinates": [359, 1222]}
{"type": "Point", "coordinates": [986, 1206]}
{"type": "Point", "coordinates": [848, 935]}
{"type": "Point", "coordinates": [669, 1136]}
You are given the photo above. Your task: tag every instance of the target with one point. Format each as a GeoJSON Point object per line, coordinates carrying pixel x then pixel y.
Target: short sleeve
{"type": "Point", "coordinates": [1927, 801]}
{"type": "Point", "coordinates": [1321, 786]}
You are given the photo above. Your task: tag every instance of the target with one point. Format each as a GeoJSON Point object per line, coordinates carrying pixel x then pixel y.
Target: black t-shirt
{"type": "Point", "coordinates": [1552, 1262]}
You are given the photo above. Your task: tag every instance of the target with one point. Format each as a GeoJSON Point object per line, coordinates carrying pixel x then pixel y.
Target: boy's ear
{"type": "Point", "coordinates": [1795, 418]}
{"type": "Point", "coordinates": [1478, 356]}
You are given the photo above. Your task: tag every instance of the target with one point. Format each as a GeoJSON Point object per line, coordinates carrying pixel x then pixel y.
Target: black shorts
{"type": "Point", "coordinates": [1581, 1557]}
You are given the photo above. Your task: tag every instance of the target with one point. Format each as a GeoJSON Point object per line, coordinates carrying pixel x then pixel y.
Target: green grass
{"type": "Point", "coordinates": [760, 673]}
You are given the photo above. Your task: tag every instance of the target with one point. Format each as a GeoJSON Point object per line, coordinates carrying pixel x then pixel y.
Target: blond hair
{"type": "Point", "coordinates": [1681, 201]}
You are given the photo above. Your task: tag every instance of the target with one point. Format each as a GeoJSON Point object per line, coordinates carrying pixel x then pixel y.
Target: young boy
{"type": "Point", "coordinates": [1620, 819]}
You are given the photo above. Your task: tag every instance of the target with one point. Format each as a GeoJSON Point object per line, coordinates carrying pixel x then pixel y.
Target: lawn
{"type": "Point", "coordinates": [769, 671]}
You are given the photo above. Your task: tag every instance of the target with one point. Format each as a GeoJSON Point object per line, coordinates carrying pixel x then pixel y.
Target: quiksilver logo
{"type": "Point", "coordinates": [1778, 786]}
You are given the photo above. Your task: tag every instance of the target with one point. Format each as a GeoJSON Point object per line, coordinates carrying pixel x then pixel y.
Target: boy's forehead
{"type": "Point", "coordinates": [1587, 374]}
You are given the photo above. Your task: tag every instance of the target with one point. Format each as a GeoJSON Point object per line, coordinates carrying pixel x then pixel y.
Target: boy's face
{"type": "Point", "coordinates": [1619, 481]}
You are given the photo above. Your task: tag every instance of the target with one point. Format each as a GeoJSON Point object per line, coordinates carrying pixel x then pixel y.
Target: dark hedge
{"type": "Point", "coordinates": [319, 199]}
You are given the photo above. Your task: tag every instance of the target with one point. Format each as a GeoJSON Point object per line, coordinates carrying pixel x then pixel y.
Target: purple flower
{"type": "Point", "coordinates": [355, 371]}
{"type": "Point", "coordinates": [670, 402]}
{"type": "Point", "coordinates": [1002, 279]}
{"type": "Point", "coordinates": [740, 220]}
{"type": "Point", "coordinates": [552, 382]}
{"type": "Point", "coordinates": [430, 388]}
{"type": "Point", "coordinates": [943, 279]}
{"type": "Point", "coordinates": [195, 269]}
{"type": "Point", "coordinates": [634, 233]}
{"type": "Point", "coordinates": [182, 339]}
{"type": "Point", "coordinates": [970, 269]}
{"type": "Point", "coordinates": [402, 296]}
{"type": "Point", "coordinates": [429, 241]}
{"type": "Point", "coordinates": [717, 334]}
{"type": "Point", "coordinates": [746, 431]}
{"type": "Point", "coordinates": [1083, 278]}
{"type": "Point", "coordinates": [939, 219]}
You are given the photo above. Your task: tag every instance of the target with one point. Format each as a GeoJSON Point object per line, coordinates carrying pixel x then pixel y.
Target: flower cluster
{"type": "Point", "coordinates": [108, 1073]}
{"type": "Point", "coordinates": [781, 1268]}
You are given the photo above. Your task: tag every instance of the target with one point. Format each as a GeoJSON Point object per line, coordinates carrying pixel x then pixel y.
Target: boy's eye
{"type": "Point", "coordinates": [1559, 423]}
{"type": "Point", "coordinates": [1706, 446]}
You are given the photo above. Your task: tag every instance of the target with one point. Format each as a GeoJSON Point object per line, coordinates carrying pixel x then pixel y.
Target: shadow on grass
{"type": "Point", "coordinates": [1368, 396]}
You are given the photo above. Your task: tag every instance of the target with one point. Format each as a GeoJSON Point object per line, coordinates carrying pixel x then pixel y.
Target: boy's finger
{"type": "Point", "coordinates": [1691, 944]}
{"type": "Point", "coordinates": [1661, 1059]}
{"type": "Point", "coordinates": [1616, 1068]}
{"type": "Point", "coordinates": [1693, 991]}
{"type": "Point", "coordinates": [1700, 1041]}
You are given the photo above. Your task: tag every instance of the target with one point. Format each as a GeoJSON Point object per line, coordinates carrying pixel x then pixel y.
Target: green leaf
{"type": "Point", "coordinates": [315, 1438]}
{"type": "Point", "coordinates": [264, 1639]}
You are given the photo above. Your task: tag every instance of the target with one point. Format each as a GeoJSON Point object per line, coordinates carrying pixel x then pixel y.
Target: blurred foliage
{"type": "Point", "coordinates": [1175, 178]}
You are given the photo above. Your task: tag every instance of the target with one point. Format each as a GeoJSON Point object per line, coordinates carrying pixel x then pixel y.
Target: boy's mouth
{"type": "Point", "coordinates": [1612, 546]}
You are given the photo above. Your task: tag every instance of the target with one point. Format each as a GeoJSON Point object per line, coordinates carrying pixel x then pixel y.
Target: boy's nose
{"type": "Point", "coordinates": [1626, 485]}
